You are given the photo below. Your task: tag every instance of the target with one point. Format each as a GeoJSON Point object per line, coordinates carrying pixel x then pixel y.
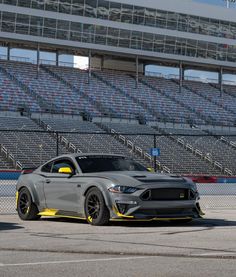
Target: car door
{"type": "Point", "coordinates": [61, 190]}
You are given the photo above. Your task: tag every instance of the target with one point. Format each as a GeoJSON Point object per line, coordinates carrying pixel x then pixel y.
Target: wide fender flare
{"type": "Point", "coordinates": [33, 193]}
{"type": "Point", "coordinates": [104, 192]}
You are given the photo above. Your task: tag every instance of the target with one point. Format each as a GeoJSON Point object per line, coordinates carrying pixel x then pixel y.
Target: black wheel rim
{"type": "Point", "coordinates": [94, 206]}
{"type": "Point", "coordinates": [24, 203]}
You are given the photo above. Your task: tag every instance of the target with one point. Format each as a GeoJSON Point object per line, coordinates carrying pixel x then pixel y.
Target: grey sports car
{"type": "Point", "coordinates": [103, 187]}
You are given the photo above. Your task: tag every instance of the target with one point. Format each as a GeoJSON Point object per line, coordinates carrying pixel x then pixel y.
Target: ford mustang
{"type": "Point", "coordinates": [104, 187]}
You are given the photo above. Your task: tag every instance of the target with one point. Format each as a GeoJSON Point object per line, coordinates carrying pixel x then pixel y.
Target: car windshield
{"type": "Point", "coordinates": [89, 164]}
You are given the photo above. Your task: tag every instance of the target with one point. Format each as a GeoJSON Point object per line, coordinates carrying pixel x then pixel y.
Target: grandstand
{"type": "Point", "coordinates": [48, 107]}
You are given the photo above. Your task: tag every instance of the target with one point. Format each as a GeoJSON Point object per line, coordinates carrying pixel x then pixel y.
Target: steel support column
{"type": "Point", "coordinates": [137, 72]}
{"type": "Point", "coordinates": [57, 58]}
{"type": "Point", "coordinates": [89, 66]}
{"type": "Point", "coordinates": [181, 76]}
{"type": "Point", "coordinates": [155, 146]}
{"type": "Point", "coordinates": [8, 52]}
{"type": "Point", "coordinates": [102, 62]}
{"type": "Point", "coordinates": [38, 60]}
{"type": "Point", "coordinates": [221, 80]}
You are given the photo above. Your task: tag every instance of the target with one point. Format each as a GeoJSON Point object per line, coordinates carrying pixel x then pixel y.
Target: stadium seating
{"type": "Point", "coordinates": [173, 155]}
{"type": "Point", "coordinates": [229, 89]}
{"type": "Point", "coordinates": [13, 98]}
{"type": "Point", "coordinates": [110, 97]}
{"type": "Point", "coordinates": [212, 147]}
{"type": "Point", "coordinates": [4, 164]}
{"type": "Point", "coordinates": [53, 91]}
{"type": "Point", "coordinates": [212, 112]}
{"type": "Point", "coordinates": [33, 148]}
{"type": "Point", "coordinates": [165, 109]}
{"type": "Point", "coordinates": [91, 137]}
{"type": "Point", "coordinates": [29, 146]}
{"type": "Point", "coordinates": [209, 92]}
{"type": "Point", "coordinates": [154, 98]}
{"type": "Point", "coordinates": [114, 94]}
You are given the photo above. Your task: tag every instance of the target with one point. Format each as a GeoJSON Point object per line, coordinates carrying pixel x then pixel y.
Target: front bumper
{"type": "Point", "coordinates": [131, 207]}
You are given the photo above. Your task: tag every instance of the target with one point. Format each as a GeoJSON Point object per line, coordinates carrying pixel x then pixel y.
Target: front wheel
{"type": "Point", "coordinates": [95, 208]}
{"type": "Point", "coordinates": [26, 209]}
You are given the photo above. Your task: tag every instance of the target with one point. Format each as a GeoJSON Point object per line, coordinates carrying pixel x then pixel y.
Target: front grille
{"type": "Point", "coordinates": [166, 194]}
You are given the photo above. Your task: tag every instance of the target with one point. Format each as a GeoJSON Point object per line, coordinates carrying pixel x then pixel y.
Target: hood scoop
{"type": "Point", "coordinates": [139, 176]}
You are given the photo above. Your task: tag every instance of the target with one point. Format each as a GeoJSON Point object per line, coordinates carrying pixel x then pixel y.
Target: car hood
{"type": "Point", "coordinates": [143, 179]}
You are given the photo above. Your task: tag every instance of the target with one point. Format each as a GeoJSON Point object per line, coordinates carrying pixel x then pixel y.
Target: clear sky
{"type": "Point", "coordinates": [216, 2]}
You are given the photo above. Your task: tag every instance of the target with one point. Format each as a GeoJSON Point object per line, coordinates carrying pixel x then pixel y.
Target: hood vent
{"type": "Point", "coordinates": [161, 180]}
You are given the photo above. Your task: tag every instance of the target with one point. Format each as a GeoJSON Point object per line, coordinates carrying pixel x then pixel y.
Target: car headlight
{"type": "Point", "coordinates": [191, 183]}
{"type": "Point", "coordinates": [194, 186]}
{"type": "Point", "coordinates": [122, 189]}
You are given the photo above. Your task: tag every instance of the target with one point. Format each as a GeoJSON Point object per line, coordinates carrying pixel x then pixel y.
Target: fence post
{"type": "Point", "coordinates": [155, 157]}
{"type": "Point", "coordinates": [57, 143]}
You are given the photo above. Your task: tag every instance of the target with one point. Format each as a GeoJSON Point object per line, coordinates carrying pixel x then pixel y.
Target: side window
{"type": "Point", "coordinates": [62, 163]}
{"type": "Point", "coordinates": [47, 167]}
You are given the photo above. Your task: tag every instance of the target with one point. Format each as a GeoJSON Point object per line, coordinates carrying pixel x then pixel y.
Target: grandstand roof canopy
{"type": "Point", "coordinates": [164, 32]}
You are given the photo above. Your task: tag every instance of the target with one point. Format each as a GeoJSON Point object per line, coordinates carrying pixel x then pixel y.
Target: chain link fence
{"type": "Point", "coordinates": [213, 196]}
{"type": "Point", "coordinates": [188, 154]}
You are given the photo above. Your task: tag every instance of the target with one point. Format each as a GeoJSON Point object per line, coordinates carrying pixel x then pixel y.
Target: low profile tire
{"type": "Point", "coordinates": [26, 209]}
{"type": "Point", "coordinates": [95, 208]}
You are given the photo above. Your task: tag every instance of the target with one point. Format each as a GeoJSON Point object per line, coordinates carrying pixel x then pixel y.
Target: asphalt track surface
{"type": "Point", "coordinates": [65, 247]}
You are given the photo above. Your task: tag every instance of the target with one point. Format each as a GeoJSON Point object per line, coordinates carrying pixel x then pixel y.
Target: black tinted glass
{"type": "Point", "coordinates": [47, 167]}
{"type": "Point", "coordinates": [102, 163]}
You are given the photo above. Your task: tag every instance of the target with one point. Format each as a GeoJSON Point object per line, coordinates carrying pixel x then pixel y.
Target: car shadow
{"type": "Point", "coordinates": [208, 222]}
{"type": "Point", "coordinates": [64, 219]}
{"type": "Point", "coordinates": [195, 223]}
{"type": "Point", "coordinates": [4, 226]}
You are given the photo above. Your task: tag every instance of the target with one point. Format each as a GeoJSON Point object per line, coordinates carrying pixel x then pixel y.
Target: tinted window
{"type": "Point", "coordinates": [62, 163]}
{"type": "Point", "coordinates": [90, 164]}
{"type": "Point", "coordinates": [47, 167]}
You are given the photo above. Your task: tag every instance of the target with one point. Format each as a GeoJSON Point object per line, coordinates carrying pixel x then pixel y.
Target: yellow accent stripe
{"type": "Point", "coordinates": [17, 196]}
{"type": "Point", "coordinates": [121, 215]}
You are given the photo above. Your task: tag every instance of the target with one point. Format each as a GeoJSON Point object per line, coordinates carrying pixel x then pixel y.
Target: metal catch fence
{"type": "Point", "coordinates": [190, 153]}
{"type": "Point", "coordinates": [213, 196]}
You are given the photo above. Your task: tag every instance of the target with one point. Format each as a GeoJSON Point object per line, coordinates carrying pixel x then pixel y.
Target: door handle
{"type": "Point", "coordinates": [48, 181]}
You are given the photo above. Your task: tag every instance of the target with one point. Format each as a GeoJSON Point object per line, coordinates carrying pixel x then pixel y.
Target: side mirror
{"type": "Point", "coordinates": [65, 170]}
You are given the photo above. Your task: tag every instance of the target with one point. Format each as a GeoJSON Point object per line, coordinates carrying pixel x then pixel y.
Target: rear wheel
{"type": "Point", "coordinates": [95, 208]}
{"type": "Point", "coordinates": [26, 209]}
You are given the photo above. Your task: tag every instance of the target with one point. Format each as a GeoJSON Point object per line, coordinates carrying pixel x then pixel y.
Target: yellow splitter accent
{"type": "Point", "coordinates": [48, 212]}
{"type": "Point", "coordinates": [17, 196]}
{"type": "Point", "coordinates": [53, 212]}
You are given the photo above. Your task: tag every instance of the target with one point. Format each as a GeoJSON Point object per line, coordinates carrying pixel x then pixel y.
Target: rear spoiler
{"type": "Point", "coordinates": [28, 170]}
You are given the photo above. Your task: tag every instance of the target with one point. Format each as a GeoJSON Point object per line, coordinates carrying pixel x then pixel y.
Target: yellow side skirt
{"type": "Point", "coordinates": [53, 212]}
